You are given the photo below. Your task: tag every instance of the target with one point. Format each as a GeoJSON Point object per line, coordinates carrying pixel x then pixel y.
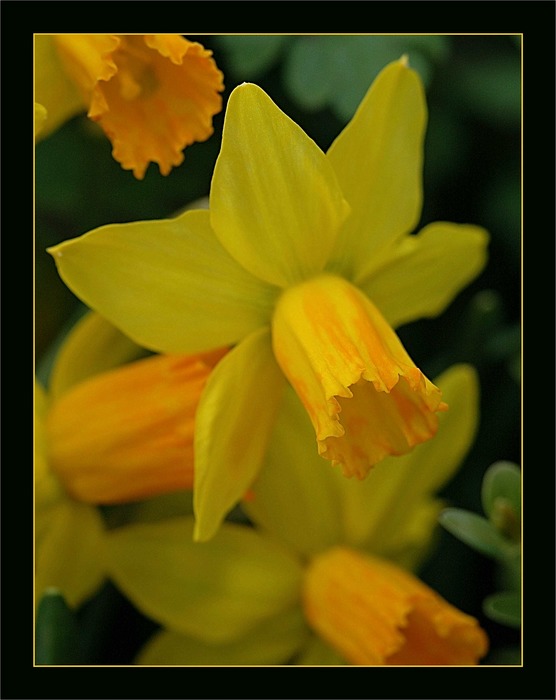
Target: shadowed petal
{"type": "Point", "coordinates": [233, 424]}
{"type": "Point", "coordinates": [425, 272]}
{"type": "Point", "coordinates": [274, 642]}
{"type": "Point", "coordinates": [217, 591]}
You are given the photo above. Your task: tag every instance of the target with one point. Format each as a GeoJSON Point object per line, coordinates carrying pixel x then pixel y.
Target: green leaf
{"type": "Point", "coordinates": [501, 498]}
{"type": "Point", "coordinates": [475, 531]}
{"type": "Point", "coordinates": [56, 633]}
{"type": "Point", "coordinates": [504, 607]}
{"type": "Point", "coordinates": [337, 71]}
{"type": "Point", "coordinates": [251, 55]}
{"type": "Point", "coordinates": [307, 72]}
{"type": "Point", "coordinates": [501, 480]}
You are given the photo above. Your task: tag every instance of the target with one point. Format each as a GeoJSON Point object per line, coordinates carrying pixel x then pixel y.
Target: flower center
{"type": "Point", "coordinates": [136, 75]}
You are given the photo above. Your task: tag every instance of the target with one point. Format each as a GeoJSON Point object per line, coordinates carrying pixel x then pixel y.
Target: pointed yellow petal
{"type": "Point", "coordinates": [233, 424]}
{"type": "Point", "coordinates": [376, 614]}
{"type": "Point", "coordinates": [92, 346]}
{"type": "Point", "coordinates": [216, 591]}
{"type": "Point", "coordinates": [127, 434]}
{"type": "Point", "coordinates": [378, 160]}
{"type": "Point", "coordinates": [54, 89]}
{"type": "Point", "coordinates": [274, 642]}
{"type": "Point", "coordinates": [153, 95]}
{"type": "Point", "coordinates": [364, 395]}
{"type": "Point", "coordinates": [169, 285]}
{"type": "Point", "coordinates": [425, 272]}
{"type": "Point", "coordinates": [275, 203]}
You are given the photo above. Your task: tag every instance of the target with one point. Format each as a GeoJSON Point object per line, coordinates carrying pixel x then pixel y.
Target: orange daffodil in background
{"type": "Point", "coordinates": [113, 427]}
{"type": "Point", "coordinates": [325, 575]}
{"type": "Point", "coordinates": [152, 94]}
{"type": "Point", "coordinates": [305, 263]}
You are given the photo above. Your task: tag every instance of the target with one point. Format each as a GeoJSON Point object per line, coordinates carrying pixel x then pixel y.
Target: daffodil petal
{"type": "Point", "coordinates": [376, 514]}
{"type": "Point", "coordinates": [296, 482]}
{"type": "Point", "coordinates": [426, 271]}
{"type": "Point", "coordinates": [69, 550]}
{"type": "Point", "coordinates": [378, 159]}
{"type": "Point", "coordinates": [92, 346]}
{"type": "Point", "coordinates": [217, 591]}
{"type": "Point", "coordinates": [275, 203]}
{"type": "Point", "coordinates": [169, 285]}
{"type": "Point", "coordinates": [410, 546]}
{"type": "Point", "coordinates": [232, 428]}
{"type": "Point", "coordinates": [40, 118]}
{"type": "Point", "coordinates": [274, 642]}
{"type": "Point", "coordinates": [53, 88]}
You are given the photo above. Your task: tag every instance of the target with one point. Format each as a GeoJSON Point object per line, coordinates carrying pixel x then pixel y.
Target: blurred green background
{"type": "Point", "coordinates": [472, 174]}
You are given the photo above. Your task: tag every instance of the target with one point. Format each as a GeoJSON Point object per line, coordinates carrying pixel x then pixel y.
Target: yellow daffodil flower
{"type": "Point", "coordinates": [325, 575]}
{"type": "Point", "coordinates": [152, 94]}
{"type": "Point", "coordinates": [113, 428]}
{"type": "Point", "coordinates": [305, 262]}
{"type": "Point", "coordinates": [139, 420]}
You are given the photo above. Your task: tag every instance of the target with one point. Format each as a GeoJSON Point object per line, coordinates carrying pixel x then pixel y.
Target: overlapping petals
{"type": "Point", "coordinates": [425, 272]}
{"type": "Point", "coordinates": [273, 642]}
{"type": "Point", "coordinates": [216, 591]}
{"type": "Point", "coordinates": [379, 514]}
{"type": "Point", "coordinates": [242, 397]}
{"type": "Point", "coordinates": [378, 160]}
{"type": "Point", "coordinates": [298, 588]}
